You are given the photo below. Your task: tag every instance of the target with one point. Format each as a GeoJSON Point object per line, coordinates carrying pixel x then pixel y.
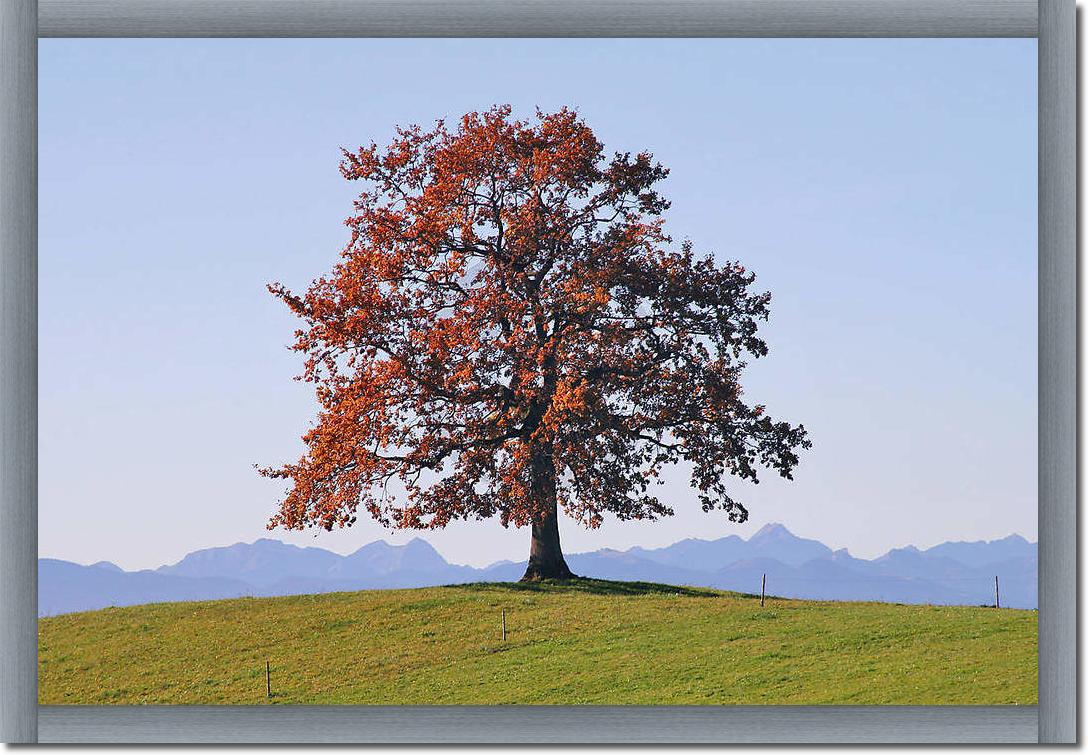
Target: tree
{"type": "Point", "coordinates": [511, 331]}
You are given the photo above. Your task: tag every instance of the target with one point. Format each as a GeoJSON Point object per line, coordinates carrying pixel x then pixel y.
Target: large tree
{"type": "Point", "coordinates": [510, 331]}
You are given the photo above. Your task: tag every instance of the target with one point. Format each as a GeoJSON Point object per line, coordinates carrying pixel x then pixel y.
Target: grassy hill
{"type": "Point", "coordinates": [590, 642]}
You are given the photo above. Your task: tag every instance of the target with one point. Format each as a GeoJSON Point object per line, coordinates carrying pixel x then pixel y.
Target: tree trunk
{"type": "Point", "coordinates": [545, 553]}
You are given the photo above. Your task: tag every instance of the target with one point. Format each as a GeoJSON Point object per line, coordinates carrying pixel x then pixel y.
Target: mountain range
{"type": "Point", "coordinates": [952, 573]}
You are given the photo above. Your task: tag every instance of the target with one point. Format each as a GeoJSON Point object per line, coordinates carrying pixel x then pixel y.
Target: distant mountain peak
{"type": "Point", "coordinates": [906, 550]}
{"type": "Point", "coordinates": [418, 543]}
{"type": "Point", "coordinates": [1015, 539]}
{"type": "Point", "coordinates": [106, 565]}
{"type": "Point", "coordinates": [979, 553]}
{"type": "Point", "coordinates": [373, 545]}
{"type": "Point", "coordinates": [773, 529]}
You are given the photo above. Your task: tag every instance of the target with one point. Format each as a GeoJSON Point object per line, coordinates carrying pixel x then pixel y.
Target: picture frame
{"type": "Point", "coordinates": [23, 22]}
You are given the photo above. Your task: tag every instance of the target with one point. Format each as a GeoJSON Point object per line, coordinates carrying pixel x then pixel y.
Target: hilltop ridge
{"type": "Point", "coordinates": [580, 642]}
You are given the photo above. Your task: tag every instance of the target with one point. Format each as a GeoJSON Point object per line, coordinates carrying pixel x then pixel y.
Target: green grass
{"type": "Point", "coordinates": [590, 642]}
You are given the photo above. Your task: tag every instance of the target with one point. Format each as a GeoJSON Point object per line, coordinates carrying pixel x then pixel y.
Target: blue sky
{"type": "Point", "coordinates": [883, 190]}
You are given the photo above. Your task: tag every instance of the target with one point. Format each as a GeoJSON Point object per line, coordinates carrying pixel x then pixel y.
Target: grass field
{"type": "Point", "coordinates": [588, 642]}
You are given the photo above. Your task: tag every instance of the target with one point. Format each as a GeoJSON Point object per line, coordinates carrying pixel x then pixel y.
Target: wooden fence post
{"type": "Point", "coordinates": [504, 625]}
{"type": "Point", "coordinates": [997, 592]}
{"type": "Point", "coordinates": [267, 679]}
{"type": "Point", "coordinates": [763, 591]}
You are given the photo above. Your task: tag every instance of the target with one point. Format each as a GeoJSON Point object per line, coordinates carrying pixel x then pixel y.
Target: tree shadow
{"type": "Point", "coordinates": [591, 586]}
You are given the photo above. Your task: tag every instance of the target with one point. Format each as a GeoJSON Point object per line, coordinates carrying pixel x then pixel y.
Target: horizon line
{"type": "Point", "coordinates": [768, 526]}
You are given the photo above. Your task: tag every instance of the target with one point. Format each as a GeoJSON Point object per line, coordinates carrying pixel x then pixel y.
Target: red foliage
{"type": "Point", "coordinates": [510, 328]}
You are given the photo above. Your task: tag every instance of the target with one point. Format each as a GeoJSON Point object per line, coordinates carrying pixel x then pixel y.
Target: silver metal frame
{"type": "Point", "coordinates": [22, 22]}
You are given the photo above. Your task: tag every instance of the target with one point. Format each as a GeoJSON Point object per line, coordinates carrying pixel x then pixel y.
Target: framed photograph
{"type": "Point", "coordinates": [538, 371]}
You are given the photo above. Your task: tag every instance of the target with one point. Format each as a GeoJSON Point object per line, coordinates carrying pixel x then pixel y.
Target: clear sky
{"type": "Point", "coordinates": [884, 190]}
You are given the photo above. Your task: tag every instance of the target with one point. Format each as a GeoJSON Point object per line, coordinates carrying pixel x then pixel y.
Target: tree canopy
{"type": "Point", "coordinates": [511, 330]}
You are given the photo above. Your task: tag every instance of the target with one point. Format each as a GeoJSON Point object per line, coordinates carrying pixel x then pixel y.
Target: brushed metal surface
{"type": "Point", "coordinates": [1057, 372]}
{"type": "Point", "coordinates": [18, 370]}
{"type": "Point", "coordinates": [537, 724]}
{"type": "Point", "coordinates": [538, 18]}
